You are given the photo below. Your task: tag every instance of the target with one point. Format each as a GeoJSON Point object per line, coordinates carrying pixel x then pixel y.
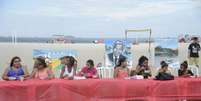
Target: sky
{"type": "Point", "coordinates": [99, 18]}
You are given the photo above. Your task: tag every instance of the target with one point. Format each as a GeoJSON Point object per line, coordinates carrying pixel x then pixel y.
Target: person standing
{"type": "Point", "coordinates": [193, 52]}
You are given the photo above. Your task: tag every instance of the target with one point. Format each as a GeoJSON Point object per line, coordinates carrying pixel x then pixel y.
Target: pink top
{"type": "Point", "coordinates": [43, 74]}
{"type": "Point", "coordinates": [121, 74]}
{"type": "Point", "coordinates": [89, 71]}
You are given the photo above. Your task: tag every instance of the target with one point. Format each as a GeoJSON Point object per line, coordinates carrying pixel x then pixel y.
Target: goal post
{"type": "Point", "coordinates": [138, 30]}
{"type": "Point", "coordinates": [127, 31]}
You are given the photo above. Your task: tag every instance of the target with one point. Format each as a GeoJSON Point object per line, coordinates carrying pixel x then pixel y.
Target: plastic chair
{"type": "Point", "coordinates": [105, 72]}
{"type": "Point", "coordinates": [194, 69]}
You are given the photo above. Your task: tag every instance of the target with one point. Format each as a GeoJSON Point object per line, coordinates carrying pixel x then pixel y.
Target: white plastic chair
{"type": "Point", "coordinates": [105, 72]}
{"type": "Point", "coordinates": [174, 71]}
{"type": "Point", "coordinates": [174, 67]}
{"type": "Point", "coordinates": [194, 69]}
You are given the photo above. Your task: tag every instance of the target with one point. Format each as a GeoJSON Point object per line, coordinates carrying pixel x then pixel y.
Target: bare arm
{"type": "Point", "coordinates": [50, 74]}
{"type": "Point", "coordinates": [133, 71]}
{"type": "Point", "coordinates": [188, 53]}
{"type": "Point", "coordinates": [115, 72]}
{"type": "Point", "coordinates": [62, 73]}
{"type": "Point", "coordinates": [26, 72]}
{"type": "Point", "coordinates": [189, 50]}
{"type": "Point", "coordinates": [149, 70]}
{"type": "Point", "coordinates": [138, 69]}
{"type": "Point", "coordinates": [33, 73]}
{"type": "Point", "coordinates": [97, 73]}
{"type": "Point", "coordinates": [74, 68]}
{"type": "Point", "coordinates": [128, 70]}
{"type": "Point", "coordinates": [4, 76]}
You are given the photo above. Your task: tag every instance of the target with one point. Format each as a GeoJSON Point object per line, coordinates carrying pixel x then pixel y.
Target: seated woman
{"type": "Point", "coordinates": [89, 71]}
{"type": "Point", "coordinates": [41, 70]}
{"type": "Point", "coordinates": [164, 68]}
{"type": "Point", "coordinates": [183, 71]}
{"type": "Point", "coordinates": [121, 70]}
{"type": "Point", "coordinates": [164, 73]}
{"type": "Point", "coordinates": [15, 71]}
{"type": "Point", "coordinates": [142, 68]}
{"type": "Point", "coordinates": [68, 70]}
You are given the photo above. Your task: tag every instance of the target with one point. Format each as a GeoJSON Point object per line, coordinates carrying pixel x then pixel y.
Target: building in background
{"type": "Point", "coordinates": [62, 39]}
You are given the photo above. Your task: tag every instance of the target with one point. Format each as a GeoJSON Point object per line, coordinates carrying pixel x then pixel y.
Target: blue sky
{"type": "Point", "coordinates": [99, 18]}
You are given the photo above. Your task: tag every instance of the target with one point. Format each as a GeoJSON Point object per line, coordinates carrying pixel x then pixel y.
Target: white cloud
{"type": "Point", "coordinates": [147, 9]}
{"type": "Point", "coordinates": [113, 9]}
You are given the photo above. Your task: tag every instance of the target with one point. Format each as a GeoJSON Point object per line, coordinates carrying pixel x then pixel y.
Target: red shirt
{"type": "Point", "coordinates": [89, 71]}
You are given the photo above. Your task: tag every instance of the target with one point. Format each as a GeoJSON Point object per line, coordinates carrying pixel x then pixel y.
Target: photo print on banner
{"type": "Point", "coordinates": [166, 50]}
{"type": "Point", "coordinates": [52, 57]}
{"type": "Point", "coordinates": [115, 49]}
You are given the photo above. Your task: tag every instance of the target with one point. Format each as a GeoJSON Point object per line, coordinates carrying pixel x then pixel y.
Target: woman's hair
{"type": "Point", "coordinates": [122, 59]}
{"type": "Point", "coordinates": [72, 60]}
{"type": "Point", "coordinates": [61, 58]}
{"type": "Point", "coordinates": [91, 62]}
{"type": "Point", "coordinates": [142, 59]}
{"type": "Point", "coordinates": [185, 64]}
{"type": "Point", "coordinates": [194, 38]}
{"type": "Point", "coordinates": [13, 59]}
{"type": "Point", "coordinates": [163, 64]}
{"type": "Point", "coordinates": [41, 61]}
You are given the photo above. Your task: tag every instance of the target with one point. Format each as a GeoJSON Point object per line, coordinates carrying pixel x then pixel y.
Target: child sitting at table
{"type": "Point", "coordinates": [89, 71]}
{"type": "Point", "coordinates": [41, 71]}
{"type": "Point", "coordinates": [183, 71]}
{"type": "Point", "coordinates": [121, 70]}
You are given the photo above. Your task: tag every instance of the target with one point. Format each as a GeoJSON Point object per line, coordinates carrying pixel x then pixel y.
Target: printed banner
{"type": "Point", "coordinates": [115, 50]}
{"type": "Point", "coordinates": [166, 50]}
{"type": "Point", "coordinates": [53, 57]}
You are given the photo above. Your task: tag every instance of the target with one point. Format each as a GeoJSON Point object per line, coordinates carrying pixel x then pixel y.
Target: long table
{"type": "Point", "coordinates": [100, 90]}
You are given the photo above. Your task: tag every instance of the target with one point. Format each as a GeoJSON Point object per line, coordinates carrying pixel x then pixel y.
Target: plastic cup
{"type": "Point", "coordinates": [21, 78]}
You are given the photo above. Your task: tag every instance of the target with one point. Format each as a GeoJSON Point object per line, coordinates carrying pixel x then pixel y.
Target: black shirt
{"type": "Point", "coordinates": [194, 49]}
{"type": "Point", "coordinates": [181, 73]}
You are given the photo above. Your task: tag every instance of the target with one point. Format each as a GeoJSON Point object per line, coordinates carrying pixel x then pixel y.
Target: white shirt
{"type": "Point", "coordinates": [70, 74]}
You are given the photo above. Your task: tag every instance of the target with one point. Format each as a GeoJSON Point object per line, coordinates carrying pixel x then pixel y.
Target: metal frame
{"type": "Point", "coordinates": [141, 30]}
